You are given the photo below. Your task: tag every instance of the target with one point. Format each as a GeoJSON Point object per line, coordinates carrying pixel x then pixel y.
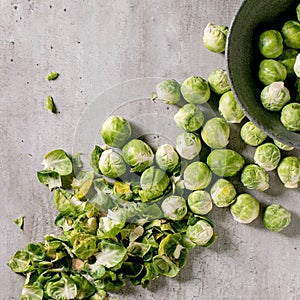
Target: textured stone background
{"type": "Point", "coordinates": [96, 44]}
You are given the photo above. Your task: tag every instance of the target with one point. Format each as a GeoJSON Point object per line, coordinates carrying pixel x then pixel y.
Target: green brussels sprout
{"type": "Point", "coordinates": [200, 233]}
{"type": "Point", "coordinates": [229, 109]}
{"type": "Point", "coordinates": [274, 96]}
{"type": "Point", "coordinates": [298, 12]}
{"type": "Point", "coordinates": [166, 157]}
{"type": "Point", "coordinates": [154, 182]}
{"type": "Point", "coordinates": [195, 90]}
{"type": "Point", "coordinates": [245, 209]}
{"type": "Point", "coordinates": [189, 117]}
{"type": "Point", "coordinates": [276, 217]}
{"type": "Point", "coordinates": [138, 155]}
{"type": "Point", "coordinates": [174, 208]}
{"type": "Point", "coordinates": [214, 37]}
{"type": "Point", "coordinates": [200, 202]}
{"type": "Point", "coordinates": [115, 131]}
{"type": "Point", "coordinates": [215, 133]}
{"type": "Point", "coordinates": [288, 171]}
{"type": "Point", "coordinates": [111, 164]}
{"type": "Point", "coordinates": [168, 91]}
{"type": "Point", "coordinates": [282, 146]}
{"type": "Point", "coordinates": [197, 176]}
{"type": "Point", "coordinates": [218, 81]}
{"type": "Point", "coordinates": [290, 116]}
{"type": "Point", "coordinates": [255, 177]}
{"type": "Point", "coordinates": [271, 70]}
{"type": "Point", "coordinates": [251, 134]}
{"type": "Point", "coordinates": [296, 67]}
{"type": "Point", "coordinates": [223, 193]}
{"type": "Point", "coordinates": [188, 145]}
{"type": "Point", "coordinates": [267, 156]}
{"type": "Point", "coordinates": [288, 58]}
{"type": "Point", "coordinates": [270, 43]}
{"type": "Point", "coordinates": [291, 34]}
{"type": "Point", "coordinates": [225, 162]}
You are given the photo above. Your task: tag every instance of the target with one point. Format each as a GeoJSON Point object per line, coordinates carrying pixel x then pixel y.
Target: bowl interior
{"type": "Point", "coordinates": [242, 55]}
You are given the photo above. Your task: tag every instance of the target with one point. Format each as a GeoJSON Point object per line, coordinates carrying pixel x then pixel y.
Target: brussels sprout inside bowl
{"type": "Point", "coordinates": [243, 58]}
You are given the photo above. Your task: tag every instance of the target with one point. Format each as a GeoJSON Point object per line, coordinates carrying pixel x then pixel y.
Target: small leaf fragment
{"type": "Point", "coordinates": [50, 104]}
{"type": "Point", "coordinates": [52, 75]}
{"type": "Point", "coordinates": [19, 222]}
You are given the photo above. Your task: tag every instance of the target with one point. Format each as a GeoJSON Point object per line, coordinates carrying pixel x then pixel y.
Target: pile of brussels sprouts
{"type": "Point", "coordinates": [279, 71]}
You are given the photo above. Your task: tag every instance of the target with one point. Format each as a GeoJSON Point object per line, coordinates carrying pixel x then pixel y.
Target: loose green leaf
{"type": "Point", "coordinates": [52, 75]}
{"type": "Point", "coordinates": [49, 178]}
{"type": "Point", "coordinates": [20, 222]}
{"type": "Point", "coordinates": [50, 105]}
{"type": "Point", "coordinates": [30, 292]}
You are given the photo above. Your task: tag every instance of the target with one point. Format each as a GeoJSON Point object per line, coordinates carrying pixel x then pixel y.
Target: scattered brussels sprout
{"type": "Point", "coordinates": [153, 182]}
{"type": "Point", "coordinates": [288, 171]}
{"type": "Point", "coordinates": [223, 192]}
{"type": "Point", "coordinates": [166, 157]}
{"type": "Point", "coordinates": [276, 217]}
{"type": "Point", "coordinates": [230, 109]}
{"type": "Point", "coordinates": [115, 131]}
{"type": "Point", "coordinates": [168, 91]}
{"type": "Point", "coordinates": [218, 81]}
{"type": "Point", "coordinates": [288, 58]}
{"type": "Point", "coordinates": [225, 162]}
{"type": "Point", "coordinates": [188, 145]}
{"type": "Point", "coordinates": [195, 90]}
{"type": "Point", "coordinates": [296, 67]}
{"type": "Point", "coordinates": [111, 164]}
{"type": "Point", "coordinates": [189, 117]}
{"type": "Point", "coordinates": [290, 116]}
{"type": "Point", "coordinates": [214, 37]}
{"type": "Point", "coordinates": [245, 209]}
{"type": "Point", "coordinates": [274, 96]}
{"type": "Point", "coordinates": [200, 233]}
{"type": "Point", "coordinates": [215, 133]}
{"type": "Point", "coordinates": [251, 134]}
{"type": "Point", "coordinates": [174, 208]}
{"type": "Point", "coordinates": [267, 156]}
{"type": "Point", "coordinates": [138, 155]}
{"type": "Point", "coordinates": [271, 70]}
{"type": "Point", "coordinates": [197, 176]}
{"type": "Point", "coordinates": [291, 34]}
{"type": "Point", "coordinates": [283, 146]}
{"type": "Point", "coordinates": [255, 177]}
{"type": "Point", "coordinates": [200, 202]}
{"type": "Point", "coordinates": [270, 43]}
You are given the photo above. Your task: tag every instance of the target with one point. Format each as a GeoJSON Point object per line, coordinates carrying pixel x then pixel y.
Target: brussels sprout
{"type": "Point", "coordinates": [225, 162]}
{"type": "Point", "coordinates": [270, 43]}
{"type": "Point", "coordinates": [276, 217]}
{"type": "Point", "coordinates": [282, 146]}
{"type": "Point", "coordinates": [218, 81]}
{"type": "Point", "coordinates": [251, 134]}
{"type": "Point", "coordinates": [153, 182]}
{"type": "Point", "coordinates": [270, 71]}
{"type": "Point", "coordinates": [197, 176]}
{"type": "Point", "coordinates": [111, 164]}
{"type": "Point", "coordinates": [195, 90]}
{"type": "Point", "coordinates": [230, 109]}
{"type": "Point", "coordinates": [215, 133]}
{"type": "Point", "coordinates": [291, 34]}
{"type": "Point", "coordinates": [288, 58]}
{"type": "Point", "coordinates": [267, 156]}
{"type": "Point", "coordinates": [223, 193]}
{"type": "Point", "coordinates": [288, 171]}
{"type": "Point", "coordinates": [174, 208]}
{"type": "Point", "coordinates": [115, 131]}
{"type": "Point", "coordinates": [245, 209]}
{"type": "Point", "coordinates": [274, 96]}
{"type": "Point", "coordinates": [166, 157]}
{"type": "Point", "coordinates": [255, 177]}
{"type": "Point", "coordinates": [200, 233]}
{"type": "Point", "coordinates": [138, 155]}
{"type": "Point", "coordinates": [298, 12]}
{"type": "Point", "coordinates": [200, 202]}
{"type": "Point", "coordinates": [214, 37]}
{"type": "Point", "coordinates": [188, 145]}
{"type": "Point", "coordinates": [296, 67]}
{"type": "Point", "coordinates": [168, 91]}
{"type": "Point", "coordinates": [189, 117]}
{"type": "Point", "coordinates": [290, 116]}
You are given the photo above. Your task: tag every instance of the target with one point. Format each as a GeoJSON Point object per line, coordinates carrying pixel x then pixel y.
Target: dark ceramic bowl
{"type": "Point", "coordinates": [252, 18]}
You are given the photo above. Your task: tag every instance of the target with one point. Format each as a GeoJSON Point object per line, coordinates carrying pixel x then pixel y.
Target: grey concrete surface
{"type": "Point", "coordinates": [95, 45]}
